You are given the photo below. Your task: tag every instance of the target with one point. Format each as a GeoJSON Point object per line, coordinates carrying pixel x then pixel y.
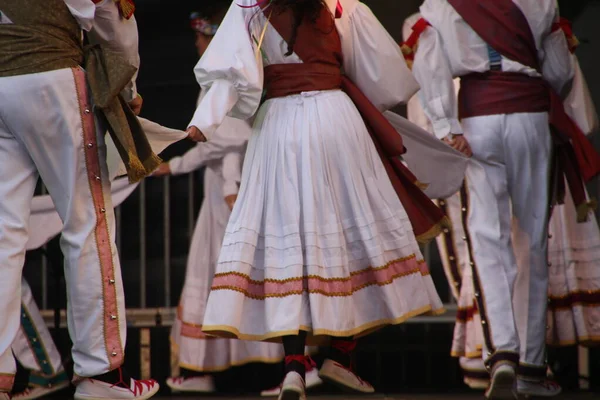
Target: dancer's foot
{"type": "Point", "coordinates": [193, 384]}
{"type": "Point", "coordinates": [502, 383]}
{"type": "Point", "coordinates": [293, 387]}
{"type": "Point", "coordinates": [115, 385]}
{"type": "Point", "coordinates": [4, 396]}
{"type": "Point", "coordinates": [312, 381]}
{"type": "Point", "coordinates": [339, 375]}
{"type": "Point", "coordinates": [545, 388]}
{"type": "Point", "coordinates": [36, 392]}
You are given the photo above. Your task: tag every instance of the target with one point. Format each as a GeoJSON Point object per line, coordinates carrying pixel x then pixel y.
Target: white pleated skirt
{"type": "Point", "coordinates": [318, 240]}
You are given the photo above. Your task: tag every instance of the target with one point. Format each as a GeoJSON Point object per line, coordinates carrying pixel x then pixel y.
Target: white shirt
{"type": "Point", "coordinates": [450, 48]}
{"type": "Point", "coordinates": [230, 72]}
{"type": "Point", "coordinates": [105, 26]}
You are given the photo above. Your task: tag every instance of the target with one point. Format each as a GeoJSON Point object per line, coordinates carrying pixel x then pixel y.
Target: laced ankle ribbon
{"type": "Point", "coordinates": [307, 361]}
{"type": "Point", "coordinates": [344, 346]}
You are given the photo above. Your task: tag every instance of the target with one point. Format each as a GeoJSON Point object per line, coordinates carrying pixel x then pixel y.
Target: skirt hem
{"type": "Point", "coordinates": [214, 369]}
{"type": "Point", "coordinates": [227, 331]}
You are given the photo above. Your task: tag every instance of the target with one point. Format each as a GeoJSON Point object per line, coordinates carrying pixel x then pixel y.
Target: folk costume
{"type": "Point", "coordinates": [323, 240]}
{"type": "Point", "coordinates": [53, 119]}
{"type": "Point", "coordinates": [572, 252]}
{"type": "Point", "coordinates": [33, 346]}
{"type": "Point", "coordinates": [507, 136]}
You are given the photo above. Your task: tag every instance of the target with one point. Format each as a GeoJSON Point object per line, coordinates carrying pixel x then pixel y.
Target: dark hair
{"type": "Point", "coordinates": [215, 10]}
{"type": "Point", "coordinates": [301, 10]}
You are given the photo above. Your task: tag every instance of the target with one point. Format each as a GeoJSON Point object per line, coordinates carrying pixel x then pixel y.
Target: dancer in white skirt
{"type": "Point", "coordinates": [573, 252]}
{"type": "Point", "coordinates": [318, 245]}
{"type": "Point", "coordinates": [199, 356]}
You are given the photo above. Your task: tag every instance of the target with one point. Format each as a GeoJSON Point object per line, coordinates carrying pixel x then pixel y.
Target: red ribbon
{"type": "Point", "coordinates": [308, 362]}
{"type": "Point", "coordinates": [338, 10]}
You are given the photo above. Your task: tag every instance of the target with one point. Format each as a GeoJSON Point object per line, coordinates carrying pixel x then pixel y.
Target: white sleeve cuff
{"type": "Point", "coordinates": [444, 127]}
{"type": "Point", "coordinates": [230, 188]}
{"type": "Point", "coordinates": [214, 107]}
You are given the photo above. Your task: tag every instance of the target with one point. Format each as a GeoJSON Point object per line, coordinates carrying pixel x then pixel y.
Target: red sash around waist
{"type": "Point", "coordinates": [503, 26]}
{"type": "Point", "coordinates": [496, 92]}
{"type": "Point", "coordinates": [288, 79]}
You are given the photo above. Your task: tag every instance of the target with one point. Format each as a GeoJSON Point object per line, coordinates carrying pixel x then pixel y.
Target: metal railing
{"type": "Point", "coordinates": [186, 188]}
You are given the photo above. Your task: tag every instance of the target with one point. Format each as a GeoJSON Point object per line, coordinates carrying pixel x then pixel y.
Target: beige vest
{"type": "Point", "coordinates": [43, 36]}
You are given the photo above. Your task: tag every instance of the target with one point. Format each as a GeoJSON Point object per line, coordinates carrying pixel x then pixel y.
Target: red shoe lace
{"type": "Point", "coordinates": [120, 381]}
{"type": "Point", "coordinates": [353, 372]}
{"type": "Point", "coordinates": [344, 346]}
{"type": "Point", "coordinates": [138, 386]}
{"type": "Point", "coordinates": [307, 361]}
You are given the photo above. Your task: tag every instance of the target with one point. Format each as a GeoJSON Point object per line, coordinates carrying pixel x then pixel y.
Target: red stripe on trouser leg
{"type": "Point", "coordinates": [112, 337]}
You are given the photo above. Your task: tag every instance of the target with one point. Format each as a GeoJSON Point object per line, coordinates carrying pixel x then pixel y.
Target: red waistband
{"type": "Point", "coordinates": [496, 92]}
{"type": "Point", "coordinates": [287, 79]}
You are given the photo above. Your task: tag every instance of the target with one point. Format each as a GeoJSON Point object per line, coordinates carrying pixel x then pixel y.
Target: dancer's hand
{"type": "Point", "coordinates": [195, 134]}
{"type": "Point", "coordinates": [136, 104]}
{"type": "Point", "coordinates": [230, 200]}
{"type": "Point", "coordinates": [162, 170]}
{"type": "Point", "coordinates": [459, 143]}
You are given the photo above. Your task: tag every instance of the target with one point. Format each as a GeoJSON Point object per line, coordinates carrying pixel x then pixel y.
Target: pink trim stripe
{"type": "Point", "coordinates": [6, 382]}
{"type": "Point", "coordinates": [334, 287]}
{"type": "Point", "coordinates": [189, 329]}
{"type": "Point", "coordinates": [112, 337]}
{"type": "Point", "coordinates": [192, 331]}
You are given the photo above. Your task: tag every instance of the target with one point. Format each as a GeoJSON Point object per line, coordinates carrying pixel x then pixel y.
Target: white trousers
{"type": "Point", "coordinates": [47, 126]}
{"type": "Point", "coordinates": [514, 151]}
{"type": "Point", "coordinates": [33, 346]}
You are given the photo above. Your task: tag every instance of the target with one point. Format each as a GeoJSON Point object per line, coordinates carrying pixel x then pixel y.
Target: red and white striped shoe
{"type": "Point", "coordinates": [312, 381]}
{"type": "Point", "coordinates": [339, 375]}
{"type": "Point", "coordinates": [4, 396]}
{"type": "Point", "coordinates": [94, 389]}
{"type": "Point", "coordinates": [293, 387]}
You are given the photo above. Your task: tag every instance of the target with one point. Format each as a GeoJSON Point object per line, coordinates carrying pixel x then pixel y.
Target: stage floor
{"type": "Point", "coordinates": [462, 396]}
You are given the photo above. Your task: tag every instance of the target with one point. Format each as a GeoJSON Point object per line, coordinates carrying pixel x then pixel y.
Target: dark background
{"type": "Point", "coordinates": [404, 358]}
